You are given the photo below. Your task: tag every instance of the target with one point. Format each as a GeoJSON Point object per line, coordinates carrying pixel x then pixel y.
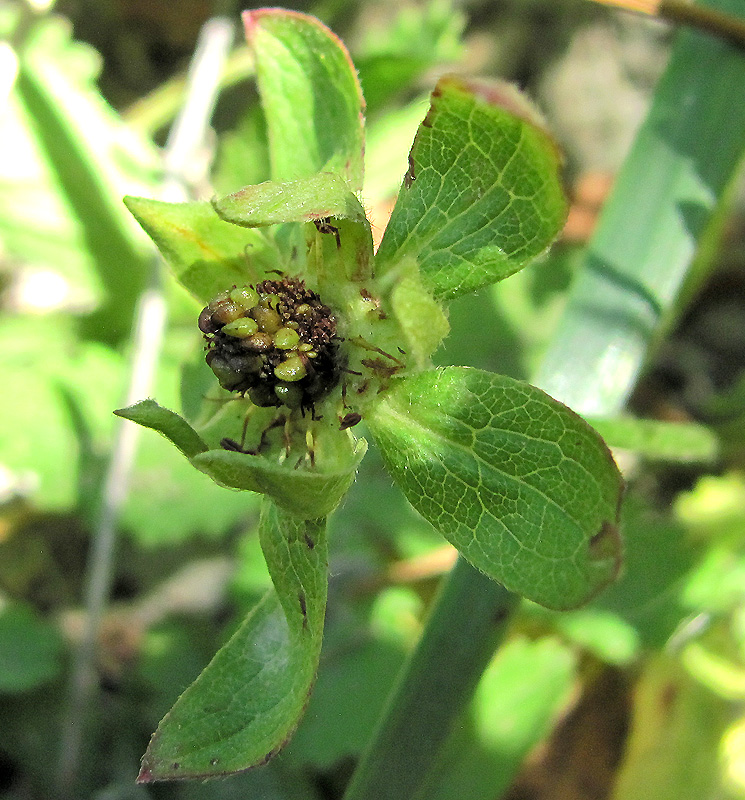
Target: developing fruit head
{"type": "Point", "coordinates": [275, 342]}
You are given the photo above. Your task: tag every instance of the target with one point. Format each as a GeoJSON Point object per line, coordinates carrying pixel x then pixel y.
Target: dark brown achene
{"type": "Point", "coordinates": [275, 341]}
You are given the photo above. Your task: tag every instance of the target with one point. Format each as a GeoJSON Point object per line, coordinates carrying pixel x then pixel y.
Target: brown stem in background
{"type": "Point", "coordinates": [682, 12]}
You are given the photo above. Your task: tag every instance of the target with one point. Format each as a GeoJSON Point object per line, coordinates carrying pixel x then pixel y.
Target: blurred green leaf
{"type": "Point", "coordinates": [248, 700]}
{"type": "Point", "coordinates": [524, 488]}
{"type": "Point", "coordinates": [310, 95]}
{"type": "Point", "coordinates": [242, 157]}
{"type": "Point", "coordinates": [171, 502]}
{"type": "Point", "coordinates": [388, 138]}
{"type": "Point", "coordinates": [659, 441]}
{"type": "Point", "coordinates": [30, 649]}
{"type": "Point", "coordinates": [88, 159]}
{"type": "Point", "coordinates": [272, 782]}
{"type": "Point", "coordinates": [714, 514]}
{"type": "Point", "coordinates": [170, 659]}
{"type": "Point", "coordinates": [156, 110]}
{"type": "Point", "coordinates": [507, 718]}
{"type": "Point", "coordinates": [680, 168]}
{"type": "Point", "coordinates": [46, 368]}
{"type": "Point", "coordinates": [725, 413]}
{"type": "Point", "coordinates": [59, 396]}
{"type": "Point", "coordinates": [714, 509]}
{"type": "Point", "coordinates": [716, 585]}
{"type": "Point", "coordinates": [605, 634]}
{"type": "Point", "coordinates": [206, 254]}
{"type": "Point", "coordinates": [482, 196]}
{"type": "Point", "coordinates": [392, 56]}
{"type": "Point", "coordinates": [516, 318]}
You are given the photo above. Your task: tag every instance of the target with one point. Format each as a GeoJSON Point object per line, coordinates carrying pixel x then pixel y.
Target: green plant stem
{"type": "Point", "coordinates": [467, 623]}
{"type": "Point", "coordinates": [665, 197]}
{"type": "Point", "coordinates": [711, 20]}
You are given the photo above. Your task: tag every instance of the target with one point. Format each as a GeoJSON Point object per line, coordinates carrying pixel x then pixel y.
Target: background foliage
{"type": "Point", "coordinates": [637, 695]}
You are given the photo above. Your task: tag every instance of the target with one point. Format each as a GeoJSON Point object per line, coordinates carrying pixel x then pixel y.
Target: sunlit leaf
{"type": "Point", "coordinates": [482, 196]}
{"type": "Point", "coordinates": [659, 441]}
{"type": "Point", "coordinates": [523, 487]}
{"type": "Point", "coordinates": [508, 717]}
{"type": "Point", "coordinates": [206, 254]}
{"type": "Point", "coordinates": [175, 428]}
{"type": "Point", "coordinates": [310, 95]}
{"type": "Point", "coordinates": [80, 163]}
{"type": "Point", "coordinates": [313, 198]}
{"type": "Point", "coordinates": [247, 701]}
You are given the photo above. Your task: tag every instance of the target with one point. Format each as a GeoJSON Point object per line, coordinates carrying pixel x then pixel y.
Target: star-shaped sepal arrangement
{"type": "Point", "coordinates": [308, 332]}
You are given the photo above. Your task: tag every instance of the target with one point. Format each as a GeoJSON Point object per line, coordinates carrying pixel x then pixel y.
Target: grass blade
{"type": "Point", "coordinates": [682, 162]}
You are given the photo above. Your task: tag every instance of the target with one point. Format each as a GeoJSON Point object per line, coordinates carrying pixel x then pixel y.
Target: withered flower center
{"type": "Point", "coordinates": [275, 341]}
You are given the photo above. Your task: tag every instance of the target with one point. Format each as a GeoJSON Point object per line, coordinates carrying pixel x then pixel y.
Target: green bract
{"type": "Point", "coordinates": [307, 332]}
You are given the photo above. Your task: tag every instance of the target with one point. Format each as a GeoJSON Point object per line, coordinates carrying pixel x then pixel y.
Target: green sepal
{"type": "Point", "coordinates": [174, 427]}
{"type": "Point", "coordinates": [522, 486]}
{"type": "Point", "coordinates": [305, 487]}
{"type": "Point", "coordinates": [483, 194]}
{"type": "Point", "coordinates": [305, 492]}
{"type": "Point", "coordinates": [419, 315]}
{"type": "Point", "coordinates": [315, 197]}
{"type": "Point", "coordinates": [310, 95]}
{"type": "Point", "coordinates": [207, 255]}
{"type": "Point", "coordinates": [245, 704]}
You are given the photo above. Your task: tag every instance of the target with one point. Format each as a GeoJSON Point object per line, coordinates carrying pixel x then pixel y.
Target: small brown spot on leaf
{"type": "Point", "coordinates": [324, 225]}
{"type": "Point", "coordinates": [410, 176]}
{"type": "Point", "coordinates": [269, 756]}
{"type": "Point", "coordinates": [308, 541]}
{"type": "Point", "coordinates": [303, 608]}
{"type": "Point", "coordinates": [606, 544]}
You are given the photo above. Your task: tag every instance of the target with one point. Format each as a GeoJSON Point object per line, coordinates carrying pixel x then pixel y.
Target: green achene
{"type": "Point", "coordinates": [308, 332]}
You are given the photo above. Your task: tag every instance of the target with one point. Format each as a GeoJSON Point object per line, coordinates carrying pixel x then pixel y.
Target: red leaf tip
{"type": "Point", "coordinates": [145, 776]}
{"type": "Point", "coordinates": [496, 93]}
